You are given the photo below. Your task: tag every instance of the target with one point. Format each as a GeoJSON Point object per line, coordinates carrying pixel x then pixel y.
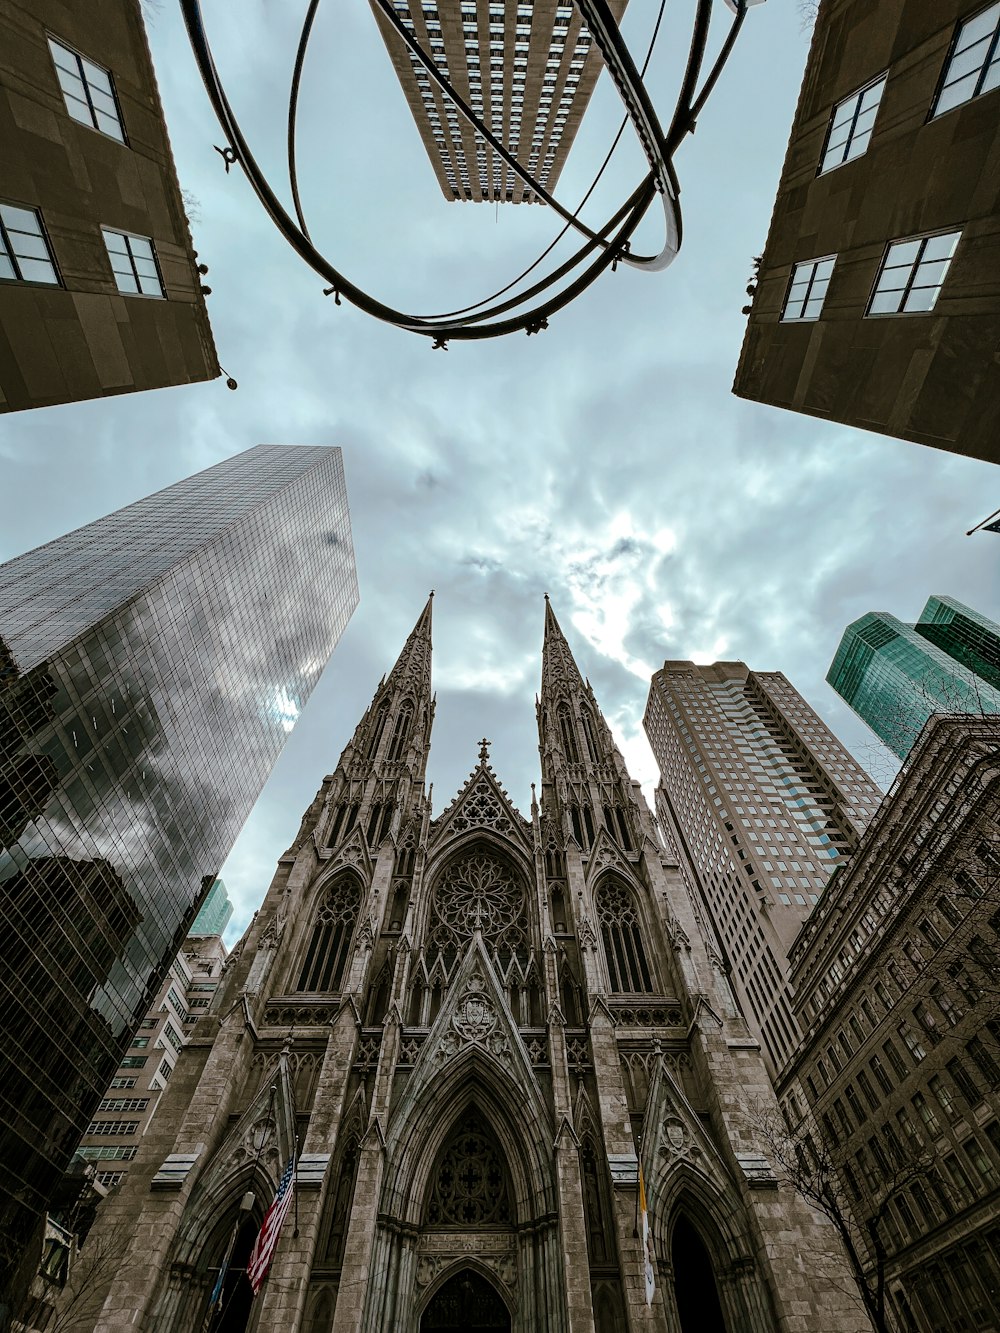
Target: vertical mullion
{"type": "Point", "coordinates": [913, 273]}
{"type": "Point", "coordinates": [131, 260]}
{"type": "Point", "coordinates": [86, 87]}
{"type": "Point", "coordinates": [854, 124]}
{"type": "Point", "coordinates": [9, 247]}
{"type": "Point", "coordinates": [990, 53]}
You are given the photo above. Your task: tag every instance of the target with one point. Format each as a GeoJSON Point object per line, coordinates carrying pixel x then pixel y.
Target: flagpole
{"type": "Point", "coordinates": [246, 1204]}
{"type": "Point", "coordinates": [995, 514]}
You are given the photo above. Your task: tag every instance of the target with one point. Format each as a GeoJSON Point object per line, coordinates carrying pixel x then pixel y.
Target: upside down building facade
{"type": "Point", "coordinates": [474, 1026]}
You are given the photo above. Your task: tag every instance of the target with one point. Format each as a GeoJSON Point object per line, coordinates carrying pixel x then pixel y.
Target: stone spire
{"type": "Point", "coordinates": [560, 673]}
{"type": "Point", "coordinates": [413, 665]}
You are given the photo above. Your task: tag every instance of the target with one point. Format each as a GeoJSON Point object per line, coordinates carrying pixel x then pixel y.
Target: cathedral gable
{"type": "Point", "coordinates": [261, 1142]}
{"type": "Point", "coordinates": [481, 805]}
{"type": "Point", "coordinates": [474, 1020]}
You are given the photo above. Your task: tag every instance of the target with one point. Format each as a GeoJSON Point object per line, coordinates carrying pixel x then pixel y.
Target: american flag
{"type": "Point", "coordinates": [267, 1241]}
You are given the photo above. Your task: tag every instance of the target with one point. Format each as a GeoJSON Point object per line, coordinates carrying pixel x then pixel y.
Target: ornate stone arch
{"type": "Point", "coordinates": [319, 963]}
{"type": "Point", "coordinates": [625, 935]}
{"type": "Point", "coordinates": [719, 1219]}
{"type": "Point", "coordinates": [519, 1123]}
{"type": "Point", "coordinates": [250, 1160]}
{"type": "Point", "coordinates": [452, 1268]}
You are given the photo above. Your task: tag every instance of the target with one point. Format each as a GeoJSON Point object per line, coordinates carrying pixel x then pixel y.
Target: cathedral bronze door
{"type": "Point", "coordinates": [467, 1303]}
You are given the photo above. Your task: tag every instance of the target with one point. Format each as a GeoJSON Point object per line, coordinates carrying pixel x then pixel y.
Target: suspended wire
{"type": "Point", "coordinates": [450, 314]}
{"type": "Point", "coordinates": [611, 242]}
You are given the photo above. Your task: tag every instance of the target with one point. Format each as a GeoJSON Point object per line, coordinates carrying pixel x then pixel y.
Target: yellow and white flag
{"type": "Point", "coordinates": [647, 1242]}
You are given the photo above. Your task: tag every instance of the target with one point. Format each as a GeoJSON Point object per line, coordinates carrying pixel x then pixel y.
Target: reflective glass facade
{"type": "Point", "coordinates": [964, 634]}
{"type": "Point", "coordinates": [895, 676]}
{"type": "Point", "coordinates": [215, 914]}
{"type": "Point", "coordinates": [151, 666]}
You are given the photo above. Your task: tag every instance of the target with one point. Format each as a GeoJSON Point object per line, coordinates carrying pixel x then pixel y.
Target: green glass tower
{"type": "Point", "coordinates": [215, 912]}
{"type": "Point", "coordinates": [895, 676]}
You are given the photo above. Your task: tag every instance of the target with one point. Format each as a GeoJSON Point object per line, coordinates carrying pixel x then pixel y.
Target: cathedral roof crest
{"type": "Point", "coordinates": [674, 1136]}
{"type": "Point", "coordinates": [352, 853]}
{"type": "Point", "coordinates": [482, 804]}
{"type": "Point", "coordinates": [607, 855]}
{"type": "Point", "coordinates": [263, 1138]}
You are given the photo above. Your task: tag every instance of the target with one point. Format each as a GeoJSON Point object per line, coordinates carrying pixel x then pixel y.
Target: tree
{"type": "Point", "coordinates": [804, 1159]}
{"type": "Point", "coordinates": [72, 1281]}
{"type": "Point", "coordinates": [808, 10]}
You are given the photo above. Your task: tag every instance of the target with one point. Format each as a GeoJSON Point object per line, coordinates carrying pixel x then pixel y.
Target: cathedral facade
{"type": "Point", "coordinates": [471, 1030]}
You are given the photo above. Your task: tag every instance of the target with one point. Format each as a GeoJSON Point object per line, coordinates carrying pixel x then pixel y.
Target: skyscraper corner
{"type": "Point", "coordinates": [154, 662]}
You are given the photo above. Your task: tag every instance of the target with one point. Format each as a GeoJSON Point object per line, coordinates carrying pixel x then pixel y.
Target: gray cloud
{"type": "Point", "coordinates": [604, 462]}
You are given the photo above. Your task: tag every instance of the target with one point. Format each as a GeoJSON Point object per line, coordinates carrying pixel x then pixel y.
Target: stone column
{"type": "Point", "coordinates": [617, 1132]}
{"type": "Point", "coordinates": [356, 1273]}
{"type": "Point", "coordinates": [286, 1291]}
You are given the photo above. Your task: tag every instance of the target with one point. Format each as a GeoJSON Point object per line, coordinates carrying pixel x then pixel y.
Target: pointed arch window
{"type": "Point", "coordinates": [470, 1187]}
{"type": "Point", "coordinates": [599, 1233]}
{"type": "Point", "coordinates": [568, 734]}
{"type": "Point", "coordinates": [621, 931]}
{"type": "Point", "coordinates": [378, 727]}
{"type": "Point", "coordinates": [330, 941]}
{"type": "Point", "coordinates": [343, 1197]}
{"type": "Point", "coordinates": [623, 828]}
{"type": "Point", "coordinates": [590, 732]}
{"type": "Point", "coordinates": [401, 732]}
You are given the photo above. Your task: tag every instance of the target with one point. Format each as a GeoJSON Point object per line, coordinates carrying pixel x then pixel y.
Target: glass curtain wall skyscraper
{"type": "Point", "coordinates": [152, 664]}
{"type": "Point", "coordinates": [762, 803]}
{"type": "Point", "coordinates": [896, 675]}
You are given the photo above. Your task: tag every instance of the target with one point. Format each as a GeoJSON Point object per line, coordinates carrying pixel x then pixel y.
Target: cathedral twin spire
{"type": "Point", "coordinates": [402, 710]}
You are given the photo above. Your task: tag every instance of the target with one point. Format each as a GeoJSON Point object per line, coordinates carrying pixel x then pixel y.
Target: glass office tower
{"type": "Point", "coordinates": [964, 634]}
{"type": "Point", "coordinates": [215, 914]}
{"type": "Point", "coordinates": [151, 666]}
{"type": "Point", "coordinates": [895, 676]}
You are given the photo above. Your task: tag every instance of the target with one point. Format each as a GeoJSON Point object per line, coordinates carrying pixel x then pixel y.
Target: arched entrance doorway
{"type": "Point", "coordinates": [232, 1313]}
{"type": "Point", "coordinates": [694, 1282]}
{"type": "Point", "coordinates": [467, 1303]}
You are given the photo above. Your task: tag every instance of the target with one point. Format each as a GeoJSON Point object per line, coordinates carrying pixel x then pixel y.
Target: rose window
{"type": "Point", "coordinates": [479, 891]}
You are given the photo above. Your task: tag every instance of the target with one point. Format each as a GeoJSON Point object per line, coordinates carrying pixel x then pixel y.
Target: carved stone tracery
{"type": "Point", "coordinates": [478, 891]}
{"type": "Point", "coordinates": [470, 1182]}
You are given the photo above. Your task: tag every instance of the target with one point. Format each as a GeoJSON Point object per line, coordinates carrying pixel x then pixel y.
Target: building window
{"type": "Point", "coordinates": [330, 939]}
{"type": "Point", "coordinates": [912, 274]}
{"type": "Point", "coordinates": [112, 1127]}
{"type": "Point", "coordinates": [973, 66]}
{"type": "Point", "coordinates": [133, 262]}
{"type": "Point", "coordinates": [628, 970]}
{"type": "Point", "coordinates": [25, 254]}
{"type": "Point", "coordinates": [88, 91]}
{"type": "Point", "coordinates": [851, 125]}
{"type": "Point", "coordinates": [807, 290]}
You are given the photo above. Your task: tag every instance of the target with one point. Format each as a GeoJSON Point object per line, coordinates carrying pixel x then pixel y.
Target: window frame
{"type": "Point", "coordinates": [991, 52]}
{"type": "Point", "coordinates": [803, 318]}
{"type": "Point", "coordinates": [857, 96]}
{"type": "Point", "coordinates": [79, 57]}
{"type": "Point", "coordinates": [7, 249]}
{"type": "Point", "coordinates": [922, 239]}
{"type": "Point", "coordinates": [129, 237]}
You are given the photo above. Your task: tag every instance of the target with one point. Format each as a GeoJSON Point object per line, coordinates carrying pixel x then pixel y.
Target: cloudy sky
{"type": "Point", "coordinates": [604, 462]}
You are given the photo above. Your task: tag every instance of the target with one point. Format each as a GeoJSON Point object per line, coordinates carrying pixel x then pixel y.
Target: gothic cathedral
{"type": "Point", "coordinates": [471, 1029]}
